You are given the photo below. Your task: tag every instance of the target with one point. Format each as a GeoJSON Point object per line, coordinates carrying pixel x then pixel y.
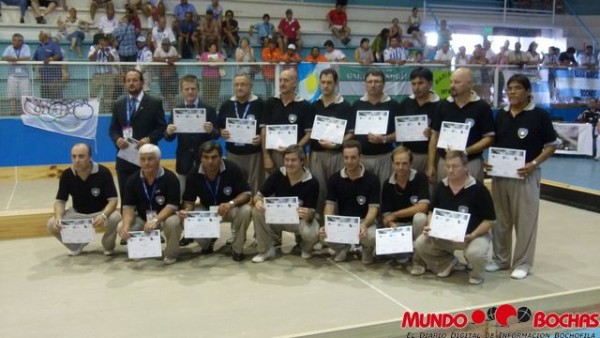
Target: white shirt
{"type": "Point", "coordinates": [107, 26]}
{"type": "Point", "coordinates": [397, 53]}
{"type": "Point", "coordinates": [160, 53]}
{"type": "Point", "coordinates": [102, 56]}
{"type": "Point", "coordinates": [335, 56]}
{"type": "Point", "coordinates": [444, 57]}
{"type": "Point", "coordinates": [158, 35]}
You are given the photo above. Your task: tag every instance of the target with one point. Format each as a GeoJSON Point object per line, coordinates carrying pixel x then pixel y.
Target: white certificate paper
{"type": "Point", "coordinates": [281, 135]}
{"type": "Point", "coordinates": [506, 161]}
{"type": "Point", "coordinates": [189, 120]}
{"type": "Point", "coordinates": [450, 225]}
{"type": "Point", "coordinates": [130, 154]}
{"type": "Point", "coordinates": [393, 240]}
{"type": "Point", "coordinates": [143, 244]}
{"type": "Point", "coordinates": [410, 128]}
{"type": "Point", "coordinates": [342, 229]}
{"type": "Point", "coordinates": [371, 122]}
{"type": "Point", "coordinates": [240, 130]}
{"type": "Point", "coordinates": [77, 231]}
{"type": "Point", "coordinates": [202, 224]}
{"type": "Point", "coordinates": [453, 135]}
{"type": "Point", "coordinates": [281, 210]}
{"type": "Point", "coordinates": [328, 129]}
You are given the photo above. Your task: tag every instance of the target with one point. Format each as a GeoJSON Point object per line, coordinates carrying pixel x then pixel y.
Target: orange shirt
{"type": "Point", "coordinates": [269, 55]}
{"type": "Point", "coordinates": [312, 59]}
{"type": "Point", "coordinates": [293, 58]}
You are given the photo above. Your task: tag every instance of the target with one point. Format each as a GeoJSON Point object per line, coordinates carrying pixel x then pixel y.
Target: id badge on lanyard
{"type": "Point", "coordinates": [127, 132]}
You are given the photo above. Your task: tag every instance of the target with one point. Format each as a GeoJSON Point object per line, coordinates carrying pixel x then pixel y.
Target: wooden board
{"type": "Point", "coordinates": [24, 223]}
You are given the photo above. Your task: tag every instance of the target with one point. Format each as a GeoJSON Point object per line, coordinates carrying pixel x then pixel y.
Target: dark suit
{"type": "Point", "coordinates": [147, 121]}
{"type": "Point", "coordinates": [187, 146]}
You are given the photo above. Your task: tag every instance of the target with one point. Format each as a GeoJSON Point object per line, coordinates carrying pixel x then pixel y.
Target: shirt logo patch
{"type": "Point", "coordinates": [95, 192]}
{"type": "Point", "coordinates": [160, 200]}
{"type": "Point", "coordinates": [522, 133]}
{"type": "Point", "coordinates": [414, 199]}
{"type": "Point", "coordinates": [361, 199]}
{"type": "Point", "coordinates": [292, 118]}
{"type": "Point", "coordinates": [470, 122]}
{"type": "Point", "coordinates": [227, 191]}
{"type": "Point", "coordinates": [250, 117]}
{"type": "Point", "coordinates": [463, 208]}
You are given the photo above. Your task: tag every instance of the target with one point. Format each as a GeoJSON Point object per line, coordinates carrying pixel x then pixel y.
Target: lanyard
{"type": "Point", "coordinates": [213, 193]}
{"type": "Point", "coordinates": [18, 52]}
{"type": "Point", "coordinates": [243, 117]}
{"type": "Point", "coordinates": [130, 109]}
{"type": "Point", "coordinates": [150, 196]}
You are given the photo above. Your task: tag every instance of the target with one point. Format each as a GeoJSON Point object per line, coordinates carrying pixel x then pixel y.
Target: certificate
{"type": "Point", "coordinates": [130, 154]}
{"type": "Point", "coordinates": [328, 129]}
{"type": "Point", "coordinates": [342, 229]}
{"type": "Point", "coordinates": [240, 130]}
{"type": "Point", "coordinates": [77, 231]}
{"type": "Point", "coordinates": [450, 225]}
{"type": "Point", "coordinates": [394, 240]}
{"type": "Point", "coordinates": [202, 224]}
{"type": "Point", "coordinates": [281, 135]}
{"type": "Point", "coordinates": [410, 128]}
{"type": "Point", "coordinates": [189, 120]}
{"type": "Point", "coordinates": [281, 210]}
{"type": "Point", "coordinates": [453, 135]}
{"type": "Point", "coordinates": [143, 244]}
{"type": "Point", "coordinates": [506, 161]}
{"type": "Point", "coordinates": [371, 122]}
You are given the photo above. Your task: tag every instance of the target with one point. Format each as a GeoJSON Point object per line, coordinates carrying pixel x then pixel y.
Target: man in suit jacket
{"type": "Point", "coordinates": [135, 115]}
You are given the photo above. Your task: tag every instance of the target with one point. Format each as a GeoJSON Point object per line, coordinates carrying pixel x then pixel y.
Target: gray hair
{"type": "Point", "coordinates": [149, 149]}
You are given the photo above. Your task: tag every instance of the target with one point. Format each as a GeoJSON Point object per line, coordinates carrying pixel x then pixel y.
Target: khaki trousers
{"type": "Point", "coordinates": [110, 228]}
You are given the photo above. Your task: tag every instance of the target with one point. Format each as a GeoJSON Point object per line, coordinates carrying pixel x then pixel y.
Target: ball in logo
{"type": "Point", "coordinates": [524, 314]}
{"type": "Point", "coordinates": [491, 313]}
{"type": "Point", "coordinates": [478, 316]}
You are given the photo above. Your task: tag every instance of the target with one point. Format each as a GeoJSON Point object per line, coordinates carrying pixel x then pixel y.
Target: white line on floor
{"type": "Point", "coordinates": [14, 189]}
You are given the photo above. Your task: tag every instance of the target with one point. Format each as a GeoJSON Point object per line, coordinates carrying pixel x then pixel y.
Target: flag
{"type": "Point", "coordinates": [308, 80]}
{"type": "Point", "coordinates": [77, 118]}
{"type": "Point", "coordinates": [352, 81]}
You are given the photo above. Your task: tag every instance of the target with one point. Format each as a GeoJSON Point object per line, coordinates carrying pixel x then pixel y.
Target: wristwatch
{"type": "Point", "coordinates": [535, 163]}
{"type": "Point", "coordinates": [232, 202]}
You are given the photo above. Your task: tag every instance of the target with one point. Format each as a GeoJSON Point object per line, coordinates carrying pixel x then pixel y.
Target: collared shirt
{"type": "Point", "coordinates": [90, 195]}
{"type": "Point", "coordinates": [253, 109]}
{"type": "Point", "coordinates": [386, 104]}
{"type": "Point", "coordinates": [180, 10]}
{"type": "Point", "coordinates": [440, 56]}
{"type": "Point", "coordinates": [410, 106]}
{"type": "Point", "coordinates": [163, 193]}
{"type": "Point", "coordinates": [339, 109]}
{"type": "Point", "coordinates": [298, 112]}
{"type": "Point", "coordinates": [102, 57]}
{"type": "Point", "coordinates": [107, 26]}
{"type": "Point", "coordinates": [289, 28]}
{"type": "Point", "coordinates": [278, 185]}
{"type": "Point", "coordinates": [335, 56]}
{"type": "Point", "coordinates": [264, 29]}
{"type": "Point", "coordinates": [337, 18]}
{"type": "Point", "coordinates": [159, 34]}
{"type": "Point", "coordinates": [45, 51]}
{"type": "Point", "coordinates": [125, 35]}
{"type": "Point", "coordinates": [397, 53]}
{"type": "Point", "coordinates": [394, 197]}
{"type": "Point", "coordinates": [15, 69]}
{"type": "Point", "coordinates": [354, 197]}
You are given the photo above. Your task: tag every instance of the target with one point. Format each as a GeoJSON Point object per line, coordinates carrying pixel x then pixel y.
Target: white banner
{"type": "Point", "coordinates": [574, 138]}
{"type": "Point", "coordinates": [77, 118]}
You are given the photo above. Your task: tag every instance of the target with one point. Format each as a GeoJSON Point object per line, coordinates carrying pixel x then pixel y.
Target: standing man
{"type": "Point", "coordinates": [220, 184]}
{"type": "Point", "coordinates": [135, 115]}
{"type": "Point", "coordinates": [50, 75]}
{"type": "Point", "coordinates": [291, 180]}
{"type": "Point", "coordinates": [462, 106]}
{"type": "Point", "coordinates": [286, 108]}
{"type": "Point", "coordinates": [104, 75]}
{"type": "Point", "coordinates": [520, 125]}
{"type": "Point", "coordinates": [592, 116]}
{"type": "Point", "coordinates": [151, 202]}
{"type": "Point", "coordinates": [355, 192]}
{"type": "Point", "coordinates": [144, 55]}
{"type": "Point", "coordinates": [126, 37]}
{"type": "Point", "coordinates": [423, 101]}
{"type": "Point", "coordinates": [376, 148]}
{"type": "Point", "coordinates": [94, 196]}
{"type": "Point", "coordinates": [167, 73]}
{"type": "Point", "coordinates": [246, 106]}
{"type": "Point", "coordinates": [17, 83]}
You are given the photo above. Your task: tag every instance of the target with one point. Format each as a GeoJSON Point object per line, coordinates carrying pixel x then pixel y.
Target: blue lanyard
{"type": "Point", "coordinates": [213, 193]}
{"type": "Point", "coordinates": [18, 52]}
{"type": "Point", "coordinates": [150, 196]}
{"type": "Point", "coordinates": [235, 104]}
{"type": "Point", "coordinates": [130, 109]}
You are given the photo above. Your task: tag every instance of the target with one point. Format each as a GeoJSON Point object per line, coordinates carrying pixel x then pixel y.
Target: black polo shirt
{"type": "Point", "coordinates": [229, 183]}
{"type": "Point", "coordinates": [298, 112]}
{"type": "Point", "coordinates": [354, 197]}
{"type": "Point", "coordinates": [89, 196]}
{"type": "Point", "coordinates": [394, 198]}
{"type": "Point", "coordinates": [476, 113]}
{"type": "Point", "coordinates": [474, 199]}
{"type": "Point", "coordinates": [278, 185]}
{"type": "Point", "coordinates": [339, 109]}
{"type": "Point", "coordinates": [145, 197]}
{"type": "Point", "coordinates": [386, 103]}
{"type": "Point", "coordinates": [409, 106]}
{"type": "Point", "coordinates": [249, 110]}
{"type": "Point", "coordinates": [530, 130]}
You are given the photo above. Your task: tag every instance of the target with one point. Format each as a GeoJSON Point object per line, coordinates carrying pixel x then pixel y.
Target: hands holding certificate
{"type": "Point", "coordinates": [506, 162]}
{"type": "Point", "coordinates": [207, 127]}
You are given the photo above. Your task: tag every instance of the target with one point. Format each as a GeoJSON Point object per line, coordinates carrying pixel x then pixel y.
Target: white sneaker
{"type": "Point", "coordinates": [169, 261]}
{"type": "Point", "coordinates": [318, 246]}
{"type": "Point", "coordinates": [417, 270]}
{"type": "Point", "coordinates": [475, 281]}
{"type": "Point", "coordinates": [76, 252]}
{"type": "Point", "coordinates": [448, 270]}
{"type": "Point", "coordinates": [519, 273]}
{"type": "Point", "coordinates": [108, 252]}
{"type": "Point", "coordinates": [340, 256]}
{"type": "Point", "coordinates": [492, 267]}
{"type": "Point", "coordinates": [403, 259]}
{"type": "Point", "coordinates": [261, 257]}
{"type": "Point", "coordinates": [305, 254]}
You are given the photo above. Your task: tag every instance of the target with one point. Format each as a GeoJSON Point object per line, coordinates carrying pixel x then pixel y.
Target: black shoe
{"type": "Point", "coordinates": [123, 242]}
{"type": "Point", "coordinates": [185, 241]}
{"type": "Point", "coordinates": [237, 257]}
{"type": "Point", "coordinates": [22, 20]}
{"type": "Point", "coordinates": [162, 239]}
{"type": "Point", "coordinates": [211, 247]}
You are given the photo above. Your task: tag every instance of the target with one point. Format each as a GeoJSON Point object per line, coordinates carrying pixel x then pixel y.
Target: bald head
{"type": "Point", "coordinates": [287, 81]}
{"type": "Point", "coordinates": [461, 82]}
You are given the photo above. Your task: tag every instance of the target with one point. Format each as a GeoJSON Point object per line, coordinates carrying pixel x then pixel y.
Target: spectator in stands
{"type": "Point", "coordinates": [73, 30]}
{"type": "Point", "coordinates": [444, 34]}
{"type": "Point", "coordinates": [363, 54]}
{"type": "Point", "coordinates": [396, 29]}
{"type": "Point", "coordinates": [332, 54]}
{"type": "Point", "coordinates": [444, 54]}
{"type": "Point", "coordinates": [188, 43]}
{"type": "Point", "coordinates": [183, 7]}
{"type": "Point", "coordinates": [379, 44]}
{"type": "Point", "coordinates": [217, 10]}
{"type": "Point", "coordinates": [18, 81]}
{"type": "Point", "coordinates": [290, 57]}
{"type": "Point", "coordinates": [315, 56]}
{"type": "Point", "coordinates": [338, 23]}
{"type": "Point", "coordinates": [245, 53]}
{"type": "Point", "coordinates": [489, 53]}
{"type": "Point", "coordinates": [209, 30]}
{"type": "Point", "coordinates": [551, 59]}
{"type": "Point", "coordinates": [517, 57]}
{"type": "Point", "coordinates": [168, 79]}
{"type": "Point", "coordinates": [147, 7]}
{"type": "Point", "coordinates": [481, 74]}
{"type": "Point", "coordinates": [502, 56]}
{"type": "Point", "coordinates": [289, 29]}
{"type": "Point", "coordinates": [461, 58]}
{"type": "Point", "coordinates": [50, 6]}
{"type": "Point", "coordinates": [567, 58]}
{"type": "Point", "coordinates": [161, 32]}
{"type": "Point", "coordinates": [50, 75]}
{"type": "Point", "coordinates": [152, 19]}
{"type": "Point", "coordinates": [586, 58]}
{"type": "Point", "coordinates": [108, 22]}
{"type": "Point", "coordinates": [270, 53]}
{"type": "Point", "coordinates": [103, 78]}
{"type": "Point", "coordinates": [144, 55]}
{"type": "Point", "coordinates": [230, 29]}
{"type": "Point", "coordinates": [22, 6]}
{"type": "Point", "coordinates": [211, 75]}
{"type": "Point", "coordinates": [395, 54]}
{"type": "Point", "coordinates": [95, 4]}
{"type": "Point", "coordinates": [92, 188]}
{"type": "Point", "coordinates": [532, 56]}
{"type": "Point", "coordinates": [414, 26]}
{"type": "Point", "coordinates": [417, 58]}
{"type": "Point", "coordinates": [591, 115]}
{"type": "Point", "coordinates": [264, 29]}
{"type": "Point", "coordinates": [126, 35]}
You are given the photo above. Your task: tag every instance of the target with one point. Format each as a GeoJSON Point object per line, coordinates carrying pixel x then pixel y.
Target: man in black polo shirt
{"type": "Point", "coordinates": [285, 108]}
{"type": "Point", "coordinates": [151, 202]}
{"type": "Point", "coordinates": [376, 149]}
{"type": "Point", "coordinates": [94, 196]}
{"type": "Point", "coordinates": [459, 192]}
{"type": "Point", "coordinates": [520, 125]}
{"type": "Point", "coordinates": [462, 106]}
{"type": "Point", "coordinates": [354, 192]}
{"type": "Point", "coordinates": [423, 101]}
{"type": "Point", "coordinates": [592, 116]}
{"type": "Point", "coordinates": [291, 180]}
{"type": "Point", "coordinates": [326, 156]}
{"type": "Point", "coordinates": [244, 105]}
{"type": "Point", "coordinates": [221, 185]}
